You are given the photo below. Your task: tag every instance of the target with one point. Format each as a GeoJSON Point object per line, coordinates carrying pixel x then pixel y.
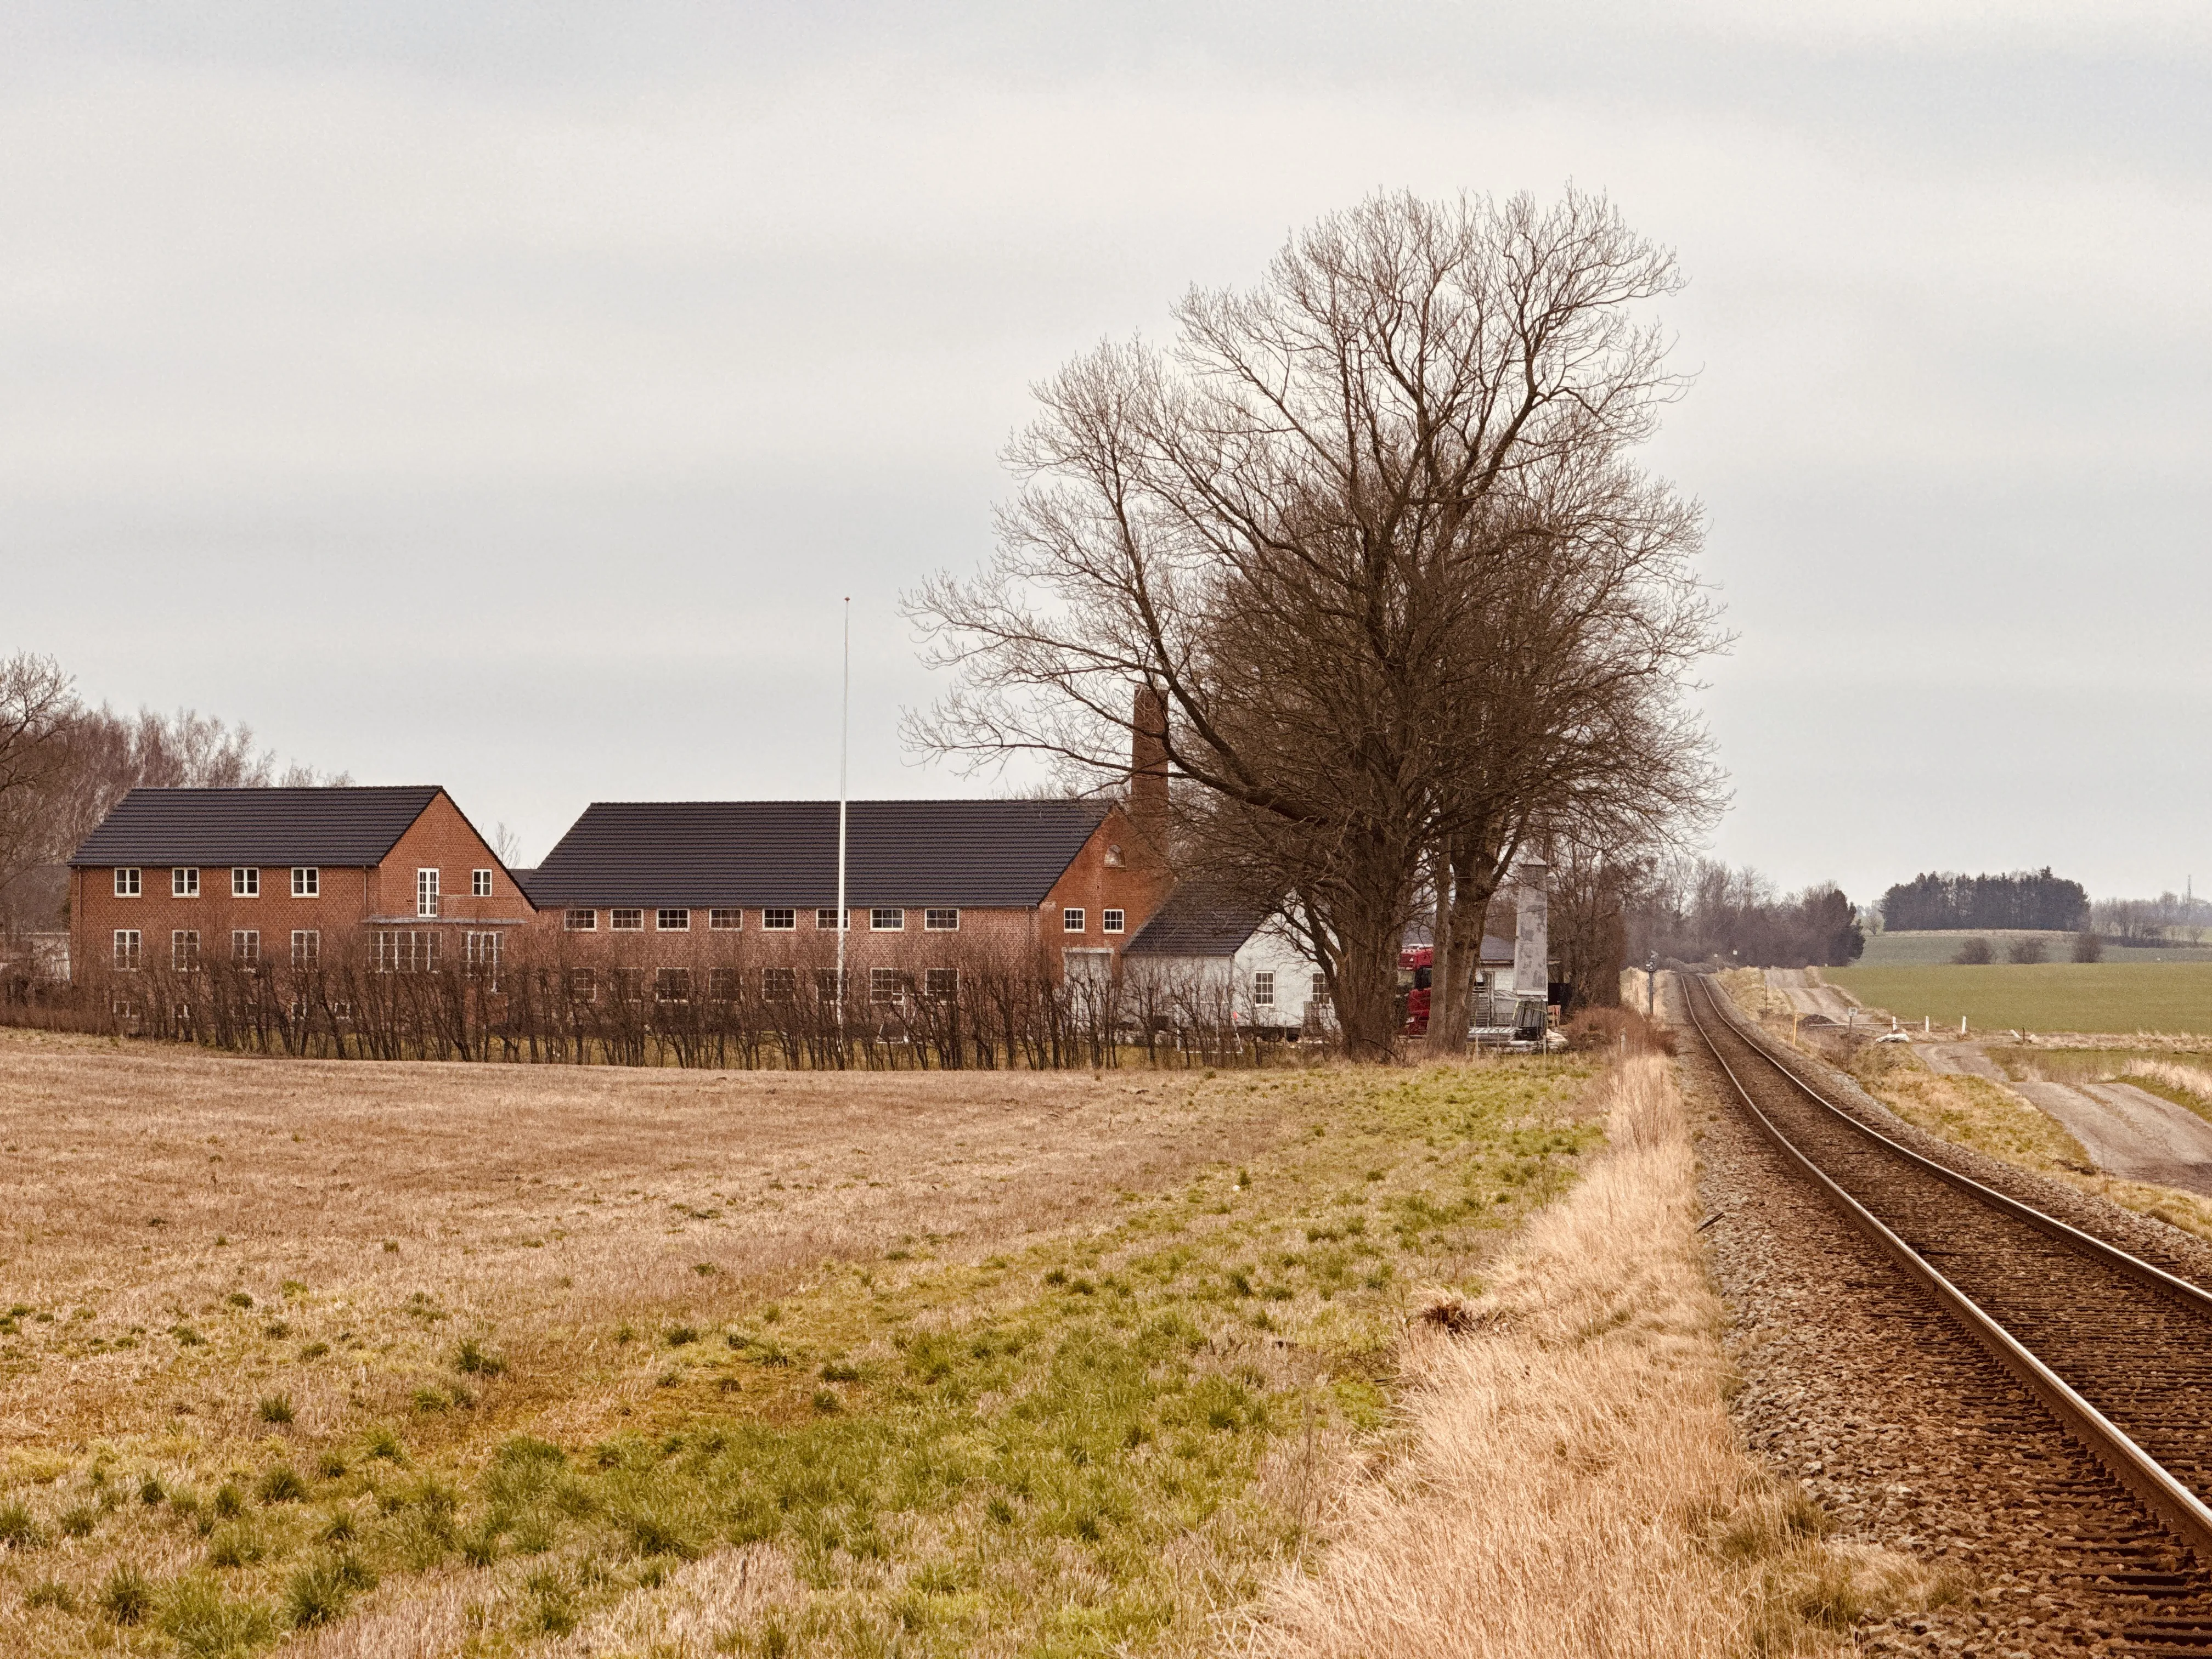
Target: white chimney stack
{"type": "Point", "coordinates": [1532, 937]}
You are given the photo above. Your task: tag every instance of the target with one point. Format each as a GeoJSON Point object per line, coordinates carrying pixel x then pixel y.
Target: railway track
{"type": "Point", "coordinates": [2117, 1352]}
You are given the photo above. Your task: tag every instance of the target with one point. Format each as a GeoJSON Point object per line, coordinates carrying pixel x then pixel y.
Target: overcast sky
{"type": "Point", "coordinates": [503, 396]}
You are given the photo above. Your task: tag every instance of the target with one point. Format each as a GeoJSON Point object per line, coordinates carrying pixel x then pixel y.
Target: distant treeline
{"type": "Point", "coordinates": [1706, 912]}
{"type": "Point", "coordinates": [2024, 899]}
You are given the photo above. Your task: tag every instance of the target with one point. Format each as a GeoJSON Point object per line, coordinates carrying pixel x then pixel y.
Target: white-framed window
{"type": "Point", "coordinates": [626, 984]}
{"type": "Point", "coordinates": [673, 921]}
{"type": "Point", "coordinates": [246, 944]}
{"type": "Point", "coordinates": [184, 949]}
{"type": "Point", "coordinates": [1070, 921]}
{"type": "Point", "coordinates": [126, 950]}
{"type": "Point", "coordinates": [245, 882]}
{"type": "Point", "coordinates": [184, 882]}
{"type": "Point", "coordinates": [887, 920]}
{"type": "Point", "coordinates": [941, 984]}
{"type": "Point", "coordinates": [673, 985]}
{"type": "Point", "coordinates": [580, 921]}
{"type": "Point", "coordinates": [306, 881]}
{"type": "Point", "coordinates": [726, 922]}
{"type": "Point", "coordinates": [941, 921]}
{"type": "Point", "coordinates": [479, 883]}
{"type": "Point", "coordinates": [778, 984]}
{"type": "Point", "coordinates": [721, 985]}
{"type": "Point", "coordinates": [126, 882]}
{"type": "Point", "coordinates": [829, 984]}
{"type": "Point", "coordinates": [885, 984]}
{"type": "Point", "coordinates": [626, 920]}
{"type": "Point", "coordinates": [583, 985]}
{"type": "Point", "coordinates": [1263, 988]}
{"type": "Point", "coordinates": [826, 921]}
{"type": "Point", "coordinates": [779, 921]}
{"type": "Point", "coordinates": [406, 951]}
{"type": "Point", "coordinates": [1111, 921]}
{"type": "Point", "coordinates": [483, 953]}
{"type": "Point", "coordinates": [306, 947]}
{"type": "Point", "coordinates": [426, 892]}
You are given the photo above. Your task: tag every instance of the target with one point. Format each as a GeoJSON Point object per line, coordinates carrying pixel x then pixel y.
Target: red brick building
{"type": "Point", "coordinates": [397, 877]}
{"type": "Point", "coordinates": [933, 888]}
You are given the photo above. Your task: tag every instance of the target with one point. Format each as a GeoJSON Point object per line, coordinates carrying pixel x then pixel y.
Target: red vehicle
{"type": "Point", "coordinates": [1500, 1018]}
{"type": "Point", "coordinates": [1414, 976]}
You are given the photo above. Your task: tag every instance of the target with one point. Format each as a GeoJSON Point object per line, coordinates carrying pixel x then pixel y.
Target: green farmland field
{"type": "Point", "coordinates": [2057, 996]}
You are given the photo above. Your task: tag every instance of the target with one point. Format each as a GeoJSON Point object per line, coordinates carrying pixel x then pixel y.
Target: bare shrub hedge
{"type": "Point", "coordinates": [970, 1006]}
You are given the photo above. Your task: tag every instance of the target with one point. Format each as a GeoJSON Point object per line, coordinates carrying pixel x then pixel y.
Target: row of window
{"type": "Point", "coordinates": [885, 919]}
{"type": "Point", "coordinates": [184, 947]}
{"type": "Point", "coordinates": [397, 950]}
{"type": "Point", "coordinates": [307, 883]}
{"type": "Point", "coordinates": [403, 950]}
{"type": "Point", "coordinates": [885, 985]}
{"type": "Point", "coordinates": [415, 950]}
{"type": "Point", "coordinates": [245, 882]}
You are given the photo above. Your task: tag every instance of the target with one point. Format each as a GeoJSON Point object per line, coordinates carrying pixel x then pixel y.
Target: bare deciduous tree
{"type": "Point", "coordinates": [36, 706]}
{"type": "Point", "coordinates": [64, 767]}
{"type": "Point", "coordinates": [1367, 529]}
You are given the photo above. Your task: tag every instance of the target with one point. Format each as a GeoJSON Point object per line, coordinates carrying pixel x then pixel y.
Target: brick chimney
{"type": "Point", "coordinates": [1148, 763]}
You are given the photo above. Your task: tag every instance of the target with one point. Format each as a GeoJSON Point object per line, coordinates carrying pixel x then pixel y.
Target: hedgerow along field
{"type": "Point", "coordinates": [412, 1359]}
{"type": "Point", "coordinates": [2054, 996]}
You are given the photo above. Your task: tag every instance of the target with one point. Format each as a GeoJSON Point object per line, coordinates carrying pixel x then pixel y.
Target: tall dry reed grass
{"type": "Point", "coordinates": [1570, 1484]}
{"type": "Point", "coordinates": [2192, 1081]}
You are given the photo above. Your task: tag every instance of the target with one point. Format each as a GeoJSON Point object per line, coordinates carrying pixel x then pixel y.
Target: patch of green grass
{"type": "Point", "coordinates": [237, 1545]}
{"type": "Point", "coordinates": [126, 1597]}
{"type": "Point", "coordinates": [207, 1624]}
{"type": "Point", "coordinates": [318, 1594]}
{"type": "Point", "coordinates": [281, 1485]}
{"type": "Point", "coordinates": [2052, 996]}
{"type": "Point", "coordinates": [1929, 950]}
{"type": "Point", "coordinates": [472, 1360]}
{"type": "Point", "coordinates": [1055, 1451]}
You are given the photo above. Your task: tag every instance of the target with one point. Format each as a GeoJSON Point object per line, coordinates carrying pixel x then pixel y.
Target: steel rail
{"type": "Point", "coordinates": [2088, 1244]}
{"type": "Point", "coordinates": [2160, 1492]}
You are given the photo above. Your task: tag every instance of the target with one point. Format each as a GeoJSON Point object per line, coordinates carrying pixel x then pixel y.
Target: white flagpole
{"type": "Point", "coordinates": [844, 744]}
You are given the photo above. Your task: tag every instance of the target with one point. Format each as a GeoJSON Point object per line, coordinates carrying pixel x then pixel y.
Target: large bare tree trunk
{"type": "Point", "coordinates": [1367, 993]}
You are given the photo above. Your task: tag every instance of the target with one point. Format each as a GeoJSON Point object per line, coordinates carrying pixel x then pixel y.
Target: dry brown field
{"type": "Point", "coordinates": [386, 1212]}
{"type": "Point", "coordinates": [394, 1361]}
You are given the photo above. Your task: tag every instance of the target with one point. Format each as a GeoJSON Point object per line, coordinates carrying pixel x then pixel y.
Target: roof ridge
{"type": "Point", "coordinates": [873, 800]}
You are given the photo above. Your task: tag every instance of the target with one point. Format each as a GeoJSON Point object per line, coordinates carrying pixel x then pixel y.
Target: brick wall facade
{"type": "Point", "coordinates": [341, 916]}
{"type": "Point", "coordinates": [1117, 868]}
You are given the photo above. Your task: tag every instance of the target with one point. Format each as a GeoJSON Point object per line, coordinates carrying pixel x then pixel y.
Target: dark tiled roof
{"type": "Point", "coordinates": [1196, 923]}
{"type": "Point", "coordinates": [336, 827]}
{"type": "Point", "coordinates": [1494, 949]}
{"type": "Point", "coordinates": [982, 853]}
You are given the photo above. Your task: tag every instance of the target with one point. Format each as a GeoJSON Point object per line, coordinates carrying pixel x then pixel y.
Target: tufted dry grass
{"type": "Point", "coordinates": [409, 1207]}
{"type": "Point", "coordinates": [1570, 1484]}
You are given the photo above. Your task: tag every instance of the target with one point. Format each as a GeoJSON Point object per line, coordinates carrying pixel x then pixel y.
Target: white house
{"type": "Point", "coordinates": [1205, 960]}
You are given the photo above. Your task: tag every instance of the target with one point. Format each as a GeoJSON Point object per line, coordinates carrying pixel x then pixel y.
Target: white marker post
{"type": "Point", "coordinates": [844, 745]}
